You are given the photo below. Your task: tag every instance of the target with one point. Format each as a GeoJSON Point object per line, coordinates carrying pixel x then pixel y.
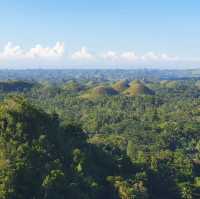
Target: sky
{"type": "Point", "coordinates": [99, 34]}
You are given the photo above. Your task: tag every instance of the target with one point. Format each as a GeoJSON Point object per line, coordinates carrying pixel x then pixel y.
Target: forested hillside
{"type": "Point", "coordinates": [119, 139]}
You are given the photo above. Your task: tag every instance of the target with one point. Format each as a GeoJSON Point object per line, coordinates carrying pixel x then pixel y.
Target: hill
{"type": "Point", "coordinates": [121, 85]}
{"type": "Point", "coordinates": [100, 91]}
{"type": "Point", "coordinates": [170, 84]}
{"type": "Point", "coordinates": [72, 86]}
{"type": "Point", "coordinates": [40, 158]}
{"type": "Point", "coordinates": [9, 86]}
{"type": "Point", "coordinates": [138, 88]}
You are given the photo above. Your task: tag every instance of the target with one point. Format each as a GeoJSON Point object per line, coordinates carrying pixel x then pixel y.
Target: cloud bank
{"type": "Point", "coordinates": [11, 51]}
{"type": "Point", "coordinates": [14, 55]}
{"type": "Point", "coordinates": [82, 54]}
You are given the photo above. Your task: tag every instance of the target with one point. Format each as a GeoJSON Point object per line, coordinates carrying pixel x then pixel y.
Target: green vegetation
{"type": "Point", "coordinates": [99, 91]}
{"type": "Point", "coordinates": [138, 88]}
{"type": "Point", "coordinates": [72, 86]}
{"type": "Point", "coordinates": [121, 85]}
{"type": "Point", "coordinates": [94, 139]}
{"type": "Point", "coordinates": [42, 159]}
{"type": "Point", "coordinates": [15, 86]}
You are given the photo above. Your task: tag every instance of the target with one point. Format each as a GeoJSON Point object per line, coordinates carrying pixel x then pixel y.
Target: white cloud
{"type": "Point", "coordinates": [113, 56]}
{"type": "Point", "coordinates": [11, 51]}
{"type": "Point", "coordinates": [39, 55]}
{"type": "Point", "coordinates": [151, 56]}
{"type": "Point", "coordinates": [45, 52]}
{"type": "Point", "coordinates": [82, 54]}
{"type": "Point", "coordinates": [129, 56]}
{"type": "Point", "coordinates": [168, 58]}
{"type": "Point", "coordinates": [110, 55]}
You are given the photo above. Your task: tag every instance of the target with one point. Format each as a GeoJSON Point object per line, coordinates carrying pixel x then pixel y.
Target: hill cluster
{"type": "Point", "coordinates": [92, 139]}
{"type": "Point", "coordinates": [121, 87]}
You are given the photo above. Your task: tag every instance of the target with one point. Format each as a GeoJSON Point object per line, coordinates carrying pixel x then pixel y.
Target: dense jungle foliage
{"type": "Point", "coordinates": [94, 139]}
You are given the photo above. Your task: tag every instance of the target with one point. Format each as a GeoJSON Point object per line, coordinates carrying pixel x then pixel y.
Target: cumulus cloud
{"type": "Point", "coordinates": [55, 56]}
{"type": "Point", "coordinates": [11, 51]}
{"type": "Point", "coordinates": [119, 57]}
{"type": "Point", "coordinates": [82, 54]}
{"type": "Point", "coordinates": [129, 56]}
{"type": "Point", "coordinates": [164, 56]}
{"type": "Point", "coordinates": [45, 52]}
{"type": "Point", "coordinates": [110, 55]}
{"type": "Point", "coordinates": [132, 57]}
{"type": "Point", "coordinates": [151, 56]}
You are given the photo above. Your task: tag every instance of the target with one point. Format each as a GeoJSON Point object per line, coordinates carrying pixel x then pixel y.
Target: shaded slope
{"type": "Point", "coordinates": [9, 86]}
{"type": "Point", "coordinates": [121, 85]}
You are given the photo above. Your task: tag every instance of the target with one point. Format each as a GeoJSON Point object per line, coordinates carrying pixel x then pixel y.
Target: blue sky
{"type": "Point", "coordinates": [125, 33]}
